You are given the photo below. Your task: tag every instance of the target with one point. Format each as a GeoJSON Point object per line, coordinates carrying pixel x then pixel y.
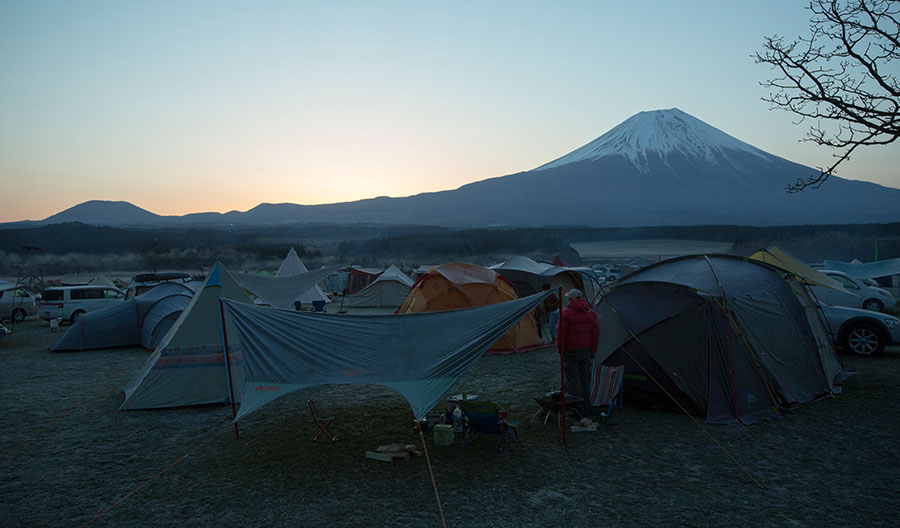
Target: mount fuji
{"type": "Point", "coordinates": [661, 167]}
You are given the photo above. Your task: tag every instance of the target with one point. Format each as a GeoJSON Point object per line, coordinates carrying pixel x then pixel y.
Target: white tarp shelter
{"type": "Point", "coordinates": [868, 270]}
{"type": "Point", "coordinates": [292, 265]}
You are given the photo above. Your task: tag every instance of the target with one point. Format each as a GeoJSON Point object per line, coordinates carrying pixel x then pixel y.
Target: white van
{"type": "Point", "coordinates": [70, 302]}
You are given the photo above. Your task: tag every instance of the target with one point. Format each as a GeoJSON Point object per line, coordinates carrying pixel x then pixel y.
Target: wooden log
{"type": "Point", "coordinates": [379, 456]}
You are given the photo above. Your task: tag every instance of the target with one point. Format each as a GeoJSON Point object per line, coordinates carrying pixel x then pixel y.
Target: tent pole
{"type": "Point", "coordinates": [237, 436]}
{"type": "Point", "coordinates": [562, 366]}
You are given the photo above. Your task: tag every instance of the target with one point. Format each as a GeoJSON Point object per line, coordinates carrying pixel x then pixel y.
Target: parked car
{"type": "Point", "coordinates": [855, 294]}
{"type": "Point", "coordinates": [16, 304]}
{"type": "Point", "coordinates": [860, 331]}
{"type": "Point", "coordinates": [71, 302]}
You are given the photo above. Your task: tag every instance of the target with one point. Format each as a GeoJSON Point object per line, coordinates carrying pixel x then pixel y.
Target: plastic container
{"type": "Point", "coordinates": [457, 420]}
{"type": "Point", "coordinates": [443, 434]}
{"type": "Point", "coordinates": [603, 418]}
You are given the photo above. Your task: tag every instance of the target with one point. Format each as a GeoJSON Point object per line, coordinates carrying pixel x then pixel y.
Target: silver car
{"type": "Point", "coordinates": [854, 294]}
{"type": "Point", "coordinates": [16, 304]}
{"type": "Point", "coordinates": [862, 332]}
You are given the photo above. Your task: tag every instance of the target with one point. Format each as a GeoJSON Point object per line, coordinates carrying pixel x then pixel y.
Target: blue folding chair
{"type": "Point", "coordinates": [484, 418]}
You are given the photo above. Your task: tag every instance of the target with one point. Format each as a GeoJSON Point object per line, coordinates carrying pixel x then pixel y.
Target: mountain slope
{"type": "Point", "coordinates": [101, 212]}
{"type": "Point", "coordinates": [661, 167]}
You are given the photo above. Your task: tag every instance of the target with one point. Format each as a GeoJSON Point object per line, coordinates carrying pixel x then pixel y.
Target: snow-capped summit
{"type": "Point", "coordinates": [660, 132]}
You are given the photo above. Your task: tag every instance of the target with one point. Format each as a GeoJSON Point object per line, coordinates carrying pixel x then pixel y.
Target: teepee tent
{"type": "Point", "coordinates": [292, 265]}
{"type": "Point", "coordinates": [727, 338]}
{"type": "Point", "coordinates": [188, 365]}
{"type": "Point", "coordinates": [461, 285]}
{"type": "Point", "coordinates": [389, 290]}
{"type": "Point", "coordinates": [101, 280]}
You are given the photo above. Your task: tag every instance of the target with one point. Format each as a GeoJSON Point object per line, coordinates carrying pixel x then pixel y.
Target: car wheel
{"type": "Point", "coordinates": [76, 316]}
{"type": "Point", "coordinates": [18, 315]}
{"type": "Point", "coordinates": [874, 305]}
{"type": "Point", "coordinates": [864, 339]}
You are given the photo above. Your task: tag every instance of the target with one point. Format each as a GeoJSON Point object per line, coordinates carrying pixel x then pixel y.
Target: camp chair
{"type": "Point", "coordinates": [321, 423]}
{"type": "Point", "coordinates": [606, 386]}
{"type": "Point", "coordinates": [485, 418]}
{"type": "Point", "coordinates": [318, 306]}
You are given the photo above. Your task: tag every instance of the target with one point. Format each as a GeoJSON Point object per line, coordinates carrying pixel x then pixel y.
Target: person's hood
{"type": "Point", "coordinates": [579, 305]}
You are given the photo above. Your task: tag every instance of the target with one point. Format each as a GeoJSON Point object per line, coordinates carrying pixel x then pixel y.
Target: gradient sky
{"type": "Point", "coordinates": [190, 106]}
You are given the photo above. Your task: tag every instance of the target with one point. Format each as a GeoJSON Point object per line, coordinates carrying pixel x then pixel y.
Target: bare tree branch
{"type": "Point", "coordinates": [842, 77]}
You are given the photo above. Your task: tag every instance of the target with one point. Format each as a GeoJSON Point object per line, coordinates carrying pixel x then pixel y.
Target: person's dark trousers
{"type": "Point", "coordinates": [578, 377]}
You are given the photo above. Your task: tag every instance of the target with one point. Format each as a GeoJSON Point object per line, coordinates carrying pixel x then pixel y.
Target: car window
{"type": "Point", "coordinates": [111, 294]}
{"type": "Point", "coordinates": [93, 293]}
{"type": "Point", "coordinates": [76, 295]}
{"type": "Point", "coordinates": [52, 295]}
{"type": "Point", "coordinates": [845, 282]}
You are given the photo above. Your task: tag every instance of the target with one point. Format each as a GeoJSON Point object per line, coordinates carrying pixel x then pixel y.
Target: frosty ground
{"type": "Point", "coordinates": [832, 462]}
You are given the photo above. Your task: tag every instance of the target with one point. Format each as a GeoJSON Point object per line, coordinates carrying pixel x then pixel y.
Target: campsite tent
{"type": "Point", "coordinates": [724, 337]}
{"type": "Point", "coordinates": [188, 365]}
{"type": "Point", "coordinates": [527, 276]}
{"type": "Point", "coordinates": [101, 280]}
{"type": "Point", "coordinates": [780, 258]}
{"type": "Point", "coordinates": [388, 290]}
{"type": "Point", "coordinates": [292, 265]}
{"type": "Point", "coordinates": [461, 285]}
{"type": "Point", "coordinates": [350, 279]}
{"type": "Point", "coordinates": [141, 320]}
{"type": "Point", "coordinates": [420, 356]}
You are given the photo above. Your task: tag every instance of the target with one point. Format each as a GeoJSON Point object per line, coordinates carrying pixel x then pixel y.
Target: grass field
{"type": "Point", "coordinates": [833, 462]}
{"type": "Point", "coordinates": [618, 250]}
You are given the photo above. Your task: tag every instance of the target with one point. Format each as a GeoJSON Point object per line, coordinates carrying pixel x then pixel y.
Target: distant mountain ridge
{"type": "Point", "coordinates": [662, 167]}
{"type": "Point", "coordinates": [101, 212]}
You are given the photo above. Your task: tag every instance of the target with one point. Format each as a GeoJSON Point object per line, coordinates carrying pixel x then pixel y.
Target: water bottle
{"type": "Point", "coordinates": [457, 420]}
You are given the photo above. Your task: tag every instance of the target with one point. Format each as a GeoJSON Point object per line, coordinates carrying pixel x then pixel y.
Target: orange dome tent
{"type": "Point", "coordinates": [460, 285]}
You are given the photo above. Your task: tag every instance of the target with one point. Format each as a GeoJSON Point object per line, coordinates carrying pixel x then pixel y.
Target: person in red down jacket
{"type": "Point", "coordinates": [577, 338]}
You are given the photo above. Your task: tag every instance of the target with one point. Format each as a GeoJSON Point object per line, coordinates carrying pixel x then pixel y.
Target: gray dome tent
{"type": "Point", "coordinates": [728, 338]}
{"type": "Point", "coordinates": [141, 320]}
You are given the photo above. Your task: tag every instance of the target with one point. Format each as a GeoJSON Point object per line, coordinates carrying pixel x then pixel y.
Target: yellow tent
{"type": "Point", "coordinates": [778, 257]}
{"type": "Point", "coordinates": [460, 285]}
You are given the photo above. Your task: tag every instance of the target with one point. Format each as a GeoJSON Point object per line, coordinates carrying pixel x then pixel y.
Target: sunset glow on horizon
{"type": "Point", "coordinates": [202, 106]}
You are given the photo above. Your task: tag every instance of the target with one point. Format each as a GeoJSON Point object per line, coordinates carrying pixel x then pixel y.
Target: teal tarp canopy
{"type": "Point", "coordinates": [419, 355]}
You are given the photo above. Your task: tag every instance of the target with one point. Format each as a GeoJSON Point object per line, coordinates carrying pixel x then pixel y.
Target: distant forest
{"type": "Point", "coordinates": [79, 248]}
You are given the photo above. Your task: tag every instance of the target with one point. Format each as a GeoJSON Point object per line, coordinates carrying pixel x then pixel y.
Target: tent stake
{"type": "Point", "coordinates": [237, 436]}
